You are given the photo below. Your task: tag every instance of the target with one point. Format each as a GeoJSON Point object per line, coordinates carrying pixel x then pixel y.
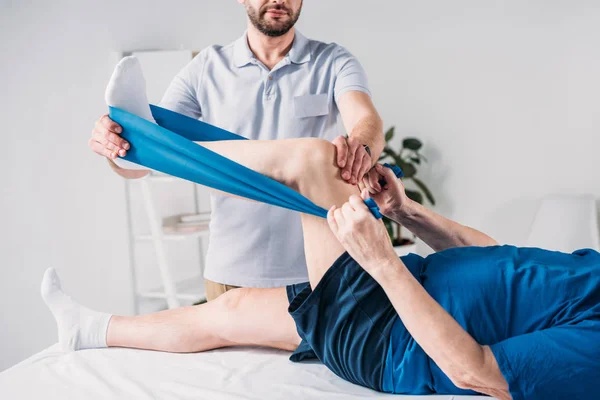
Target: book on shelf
{"type": "Point", "coordinates": [183, 223]}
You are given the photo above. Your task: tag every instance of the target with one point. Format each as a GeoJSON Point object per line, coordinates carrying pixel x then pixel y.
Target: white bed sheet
{"type": "Point", "coordinates": [234, 373]}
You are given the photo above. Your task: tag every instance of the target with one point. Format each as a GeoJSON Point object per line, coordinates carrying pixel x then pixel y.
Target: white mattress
{"type": "Point", "coordinates": [235, 373]}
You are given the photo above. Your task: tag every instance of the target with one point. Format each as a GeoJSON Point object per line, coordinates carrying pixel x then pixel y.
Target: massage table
{"type": "Point", "coordinates": [223, 374]}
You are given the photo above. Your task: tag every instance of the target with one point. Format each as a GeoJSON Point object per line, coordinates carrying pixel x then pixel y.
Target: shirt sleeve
{"type": "Point", "coordinates": [350, 75]}
{"type": "Point", "coordinates": [181, 95]}
{"type": "Point", "coordinates": [557, 363]}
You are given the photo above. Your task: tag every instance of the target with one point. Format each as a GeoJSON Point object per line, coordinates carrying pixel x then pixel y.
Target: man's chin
{"type": "Point", "coordinates": [276, 27]}
{"type": "Point", "coordinates": [276, 22]}
{"type": "Point", "coordinates": [277, 30]}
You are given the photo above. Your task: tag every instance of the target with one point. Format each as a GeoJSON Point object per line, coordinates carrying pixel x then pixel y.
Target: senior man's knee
{"type": "Point", "coordinates": [314, 160]}
{"type": "Point", "coordinates": [232, 300]}
{"type": "Point", "coordinates": [230, 308]}
{"type": "Point", "coordinates": [320, 152]}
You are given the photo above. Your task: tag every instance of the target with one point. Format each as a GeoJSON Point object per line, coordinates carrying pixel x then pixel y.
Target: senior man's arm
{"type": "Point", "coordinates": [467, 364]}
{"type": "Point", "coordinates": [438, 232]}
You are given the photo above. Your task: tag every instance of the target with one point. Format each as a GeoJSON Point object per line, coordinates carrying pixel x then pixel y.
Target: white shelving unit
{"type": "Point", "coordinates": [175, 293]}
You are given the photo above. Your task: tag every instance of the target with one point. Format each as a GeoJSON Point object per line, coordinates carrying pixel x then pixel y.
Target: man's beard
{"type": "Point", "coordinates": [268, 28]}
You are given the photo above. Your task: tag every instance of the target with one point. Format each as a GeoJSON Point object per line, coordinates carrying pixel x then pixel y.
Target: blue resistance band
{"type": "Point", "coordinates": [168, 147]}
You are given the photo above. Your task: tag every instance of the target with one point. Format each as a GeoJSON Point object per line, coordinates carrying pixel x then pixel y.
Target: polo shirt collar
{"type": "Point", "coordinates": [242, 55]}
{"type": "Point", "coordinates": [298, 54]}
{"type": "Point", "coordinates": [300, 51]}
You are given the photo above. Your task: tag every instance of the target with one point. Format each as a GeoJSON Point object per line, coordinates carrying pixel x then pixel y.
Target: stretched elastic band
{"type": "Point", "coordinates": [373, 207]}
{"type": "Point", "coordinates": [397, 170]}
{"type": "Point", "coordinates": [169, 147]}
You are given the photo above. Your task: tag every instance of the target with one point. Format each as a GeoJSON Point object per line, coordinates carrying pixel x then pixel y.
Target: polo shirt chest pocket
{"type": "Point", "coordinates": [310, 114]}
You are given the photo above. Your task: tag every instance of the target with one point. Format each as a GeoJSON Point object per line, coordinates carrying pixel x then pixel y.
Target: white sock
{"type": "Point", "coordinates": [127, 90]}
{"type": "Point", "coordinates": [78, 327]}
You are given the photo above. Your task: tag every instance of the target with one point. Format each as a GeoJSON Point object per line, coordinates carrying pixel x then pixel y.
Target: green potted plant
{"type": "Point", "coordinates": [409, 158]}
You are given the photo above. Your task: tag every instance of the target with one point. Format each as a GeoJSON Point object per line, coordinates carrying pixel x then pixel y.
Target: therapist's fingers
{"type": "Point", "coordinates": [358, 163]}
{"type": "Point", "coordinates": [353, 145]}
{"type": "Point", "coordinates": [362, 184]}
{"type": "Point", "coordinates": [105, 140]}
{"type": "Point", "coordinates": [100, 149]}
{"type": "Point", "coordinates": [111, 140]}
{"type": "Point", "coordinates": [109, 124]}
{"type": "Point", "coordinates": [347, 170]}
{"type": "Point", "coordinates": [341, 150]}
{"type": "Point", "coordinates": [366, 166]}
{"type": "Point", "coordinates": [112, 131]}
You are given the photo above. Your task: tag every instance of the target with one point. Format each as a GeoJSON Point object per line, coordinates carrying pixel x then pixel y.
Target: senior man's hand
{"type": "Point", "coordinates": [352, 158]}
{"type": "Point", "coordinates": [391, 197]}
{"type": "Point", "coordinates": [364, 237]}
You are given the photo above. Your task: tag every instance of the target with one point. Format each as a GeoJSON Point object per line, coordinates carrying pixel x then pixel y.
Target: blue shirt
{"type": "Point", "coordinates": [253, 244]}
{"type": "Point", "coordinates": [538, 310]}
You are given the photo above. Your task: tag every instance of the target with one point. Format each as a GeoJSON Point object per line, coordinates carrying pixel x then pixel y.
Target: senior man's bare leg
{"type": "Point", "coordinates": [241, 316]}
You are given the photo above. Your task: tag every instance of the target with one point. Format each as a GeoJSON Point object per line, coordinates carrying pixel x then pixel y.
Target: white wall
{"type": "Point", "coordinates": [505, 94]}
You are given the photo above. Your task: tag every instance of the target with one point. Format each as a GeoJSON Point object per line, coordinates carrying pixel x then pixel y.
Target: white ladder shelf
{"type": "Point", "coordinates": [189, 290]}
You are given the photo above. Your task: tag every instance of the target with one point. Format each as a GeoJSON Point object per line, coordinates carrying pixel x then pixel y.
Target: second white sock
{"type": "Point", "coordinates": [78, 327]}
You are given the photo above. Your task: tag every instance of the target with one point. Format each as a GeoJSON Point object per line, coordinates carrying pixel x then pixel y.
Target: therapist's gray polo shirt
{"type": "Point", "coordinates": [253, 244]}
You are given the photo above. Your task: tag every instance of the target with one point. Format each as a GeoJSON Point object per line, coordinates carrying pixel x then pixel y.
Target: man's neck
{"type": "Point", "coordinates": [269, 50]}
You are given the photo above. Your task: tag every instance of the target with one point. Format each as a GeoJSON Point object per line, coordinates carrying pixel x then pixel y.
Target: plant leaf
{"type": "Point", "coordinates": [408, 169]}
{"type": "Point", "coordinates": [389, 134]}
{"type": "Point", "coordinates": [414, 196]}
{"type": "Point", "coordinates": [416, 160]}
{"type": "Point", "coordinates": [390, 152]}
{"type": "Point", "coordinates": [425, 190]}
{"type": "Point", "coordinates": [412, 143]}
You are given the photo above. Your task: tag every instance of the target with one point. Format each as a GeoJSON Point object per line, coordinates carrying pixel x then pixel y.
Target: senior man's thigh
{"type": "Point", "coordinates": [253, 316]}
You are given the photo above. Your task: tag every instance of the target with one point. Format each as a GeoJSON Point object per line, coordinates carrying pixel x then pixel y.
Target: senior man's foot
{"type": "Point", "coordinates": [127, 90]}
{"type": "Point", "coordinates": [78, 327]}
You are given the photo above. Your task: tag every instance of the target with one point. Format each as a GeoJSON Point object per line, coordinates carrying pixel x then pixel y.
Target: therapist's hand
{"type": "Point", "coordinates": [364, 237]}
{"type": "Point", "coordinates": [106, 139]}
{"type": "Point", "coordinates": [352, 158]}
{"type": "Point", "coordinates": [391, 198]}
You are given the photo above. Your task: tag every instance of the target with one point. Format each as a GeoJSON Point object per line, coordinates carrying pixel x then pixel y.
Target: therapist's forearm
{"type": "Point", "coordinates": [369, 130]}
{"type": "Point", "coordinates": [457, 354]}
{"type": "Point", "coordinates": [127, 173]}
{"type": "Point", "coordinates": [438, 232]}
